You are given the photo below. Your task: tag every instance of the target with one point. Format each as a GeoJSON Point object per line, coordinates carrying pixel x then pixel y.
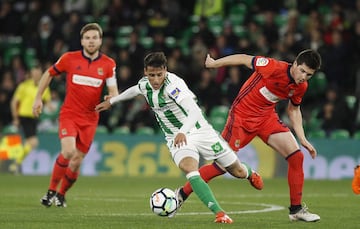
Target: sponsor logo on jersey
{"type": "Point", "coordinates": [269, 95]}
{"type": "Point", "coordinates": [86, 80]}
{"type": "Point", "coordinates": [175, 93]}
{"type": "Point", "coordinates": [160, 109]}
{"type": "Point", "coordinates": [100, 71]}
{"type": "Point", "coordinates": [217, 147]}
{"type": "Point", "coordinates": [262, 61]}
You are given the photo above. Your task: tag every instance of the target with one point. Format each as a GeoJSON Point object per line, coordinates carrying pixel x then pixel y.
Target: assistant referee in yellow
{"type": "Point", "coordinates": [21, 109]}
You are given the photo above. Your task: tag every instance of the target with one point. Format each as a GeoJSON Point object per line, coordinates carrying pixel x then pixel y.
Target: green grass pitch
{"type": "Point", "coordinates": [117, 202]}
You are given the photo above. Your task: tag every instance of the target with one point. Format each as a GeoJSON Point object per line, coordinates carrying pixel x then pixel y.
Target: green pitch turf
{"type": "Point", "coordinates": [115, 202]}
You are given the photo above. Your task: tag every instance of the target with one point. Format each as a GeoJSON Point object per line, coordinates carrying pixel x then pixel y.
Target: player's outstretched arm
{"type": "Point", "coordinates": [236, 59]}
{"type": "Point", "coordinates": [126, 95]}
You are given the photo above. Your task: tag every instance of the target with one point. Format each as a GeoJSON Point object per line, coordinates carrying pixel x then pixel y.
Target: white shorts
{"type": "Point", "coordinates": [205, 142]}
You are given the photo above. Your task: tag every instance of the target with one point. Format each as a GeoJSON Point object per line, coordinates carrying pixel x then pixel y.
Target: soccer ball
{"type": "Point", "coordinates": [163, 202]}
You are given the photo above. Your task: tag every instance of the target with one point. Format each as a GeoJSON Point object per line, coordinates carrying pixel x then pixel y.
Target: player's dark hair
{"type": "Point", "coordinates": [310, 58]}
{"type": "Point", "coordinates": [91, 26]}
{"type": "Point", "coordinates": [155, 59]}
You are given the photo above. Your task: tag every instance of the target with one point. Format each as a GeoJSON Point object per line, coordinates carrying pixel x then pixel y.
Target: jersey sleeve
{"type": "Point", "coordinates": [296, 99]}
{"type": "Point", "coordinates": [265, 66]}
{"type": "Point", "coordinates": [178, 90]}
{"type": "Point", "coordinates": [111, 77]}
{"type": "Point", "coordinates": [60, 65]}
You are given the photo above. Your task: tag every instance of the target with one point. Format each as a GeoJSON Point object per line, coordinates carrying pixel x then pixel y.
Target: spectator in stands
{"type": "Point", "coordinates": [197, 57]}
{"type": "Point", "coordinates": [18, 69]}
{"type": "Point", "coordinates": [209, 8]}
{"type": "Point", "coordinates": [119, 14]}
{"type": "Point", "coordinates": [230, 36]}
{"type": "Point", "coordinates": [270, 30]}
{"type": "Point", "coordinates": [221, 49]}
{"type": "Point", "coordinates": [176, 16]}
{"type": "Point", "coordinates": [177, 63]}
{"type": "Point", "coordinates": [9, 20]}
{"type": "Point", "coordinates": [157, 21]}
{"type": "Point", "coordinates": [70, 30]}
{"type": "Point", "coordinates": [334, 113]}
{"type": "Point", "coordinates": [76, 5]}
{"type": "Point", "coordinates": [204, 33]}
{"type": "Point", "coordinates": [7, 89]}
{"type": "Point", "coordinates": [207, 91]}
{"type": "Point", "coordinates": [135, 51]}
{"type": "Point", "coordinates": [44, 41]}
{"type": "Point", "coordinates": [60, 47]}
{"type": "Point", "coordinates": [232, 85]}
{"type": "Point", "coordinates": [58, 16]}
{"type": "Point", "coordinates": [335, 53]}
{"type": "Point", "coordinates": [159, 43]}
{"type": "Point", "coordinates": [31, 21]}
{"type": "Point", "coordinates": [292, 26]}
{"type": "Point", "coordinates": [140, 10]}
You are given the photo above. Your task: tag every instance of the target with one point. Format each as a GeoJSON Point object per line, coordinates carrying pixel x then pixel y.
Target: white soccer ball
{"type": "Point", "coordinates": [163, 202]}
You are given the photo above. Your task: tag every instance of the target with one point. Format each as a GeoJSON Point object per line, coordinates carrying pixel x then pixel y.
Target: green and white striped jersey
{"type": "Point", "coordinates": [165, 103]}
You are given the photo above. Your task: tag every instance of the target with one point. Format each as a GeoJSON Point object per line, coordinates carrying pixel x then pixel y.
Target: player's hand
{"type": "Point", "coordinates": [103, 106]}
{"type": "Point", "coordinates": [37, 108]}
{"type": "Point", "coordinates": [209, 61]}
{"type": "Point", "coordinates": [180, 140]}
{"type": "Point", "coordinates": [106, 97]}
{"type": "Point", "coordinates": [309, 148]}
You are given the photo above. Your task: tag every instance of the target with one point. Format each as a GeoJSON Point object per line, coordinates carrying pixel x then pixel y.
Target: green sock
{"type": "Point", "coordinates": [248, 169]}
{"type": "Point", "coordinates": [203, 191]}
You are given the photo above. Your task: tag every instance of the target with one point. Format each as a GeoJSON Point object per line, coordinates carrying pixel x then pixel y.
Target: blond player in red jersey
{"type": "Point", "coordinates": [87, 72]}
{"type": "Point", "coordinates": [253, 114]}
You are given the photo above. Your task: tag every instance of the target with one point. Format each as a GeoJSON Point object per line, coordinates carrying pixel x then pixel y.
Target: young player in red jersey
{"type": "Point", "coordinates": [87, 72]}
{"type": "Point", "coordinates": [253, 114]}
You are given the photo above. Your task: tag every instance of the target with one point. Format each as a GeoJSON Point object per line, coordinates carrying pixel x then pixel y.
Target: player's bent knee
{"type": "Point", "coordinates": [188, 164]}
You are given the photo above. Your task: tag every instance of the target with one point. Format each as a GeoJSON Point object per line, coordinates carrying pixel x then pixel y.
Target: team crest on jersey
{"type": "Point", "coordinates": [100, 71]}
{"type": "Point", "coordinates": [175, 93]}
{"type": "Point", "coordinates": [262, 61]}
{"type": "Point", "coordinates": [237, 143]}
{"type": "Point", "coordinates": [63, 131]}
{"type": "Point", "coordinates": [217, 147]}
{"type": "Point", "coordinates": [291, 92]}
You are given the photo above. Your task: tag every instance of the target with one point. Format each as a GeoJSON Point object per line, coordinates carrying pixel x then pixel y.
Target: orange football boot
{"type": "Point", "coordinates": [221, 217]}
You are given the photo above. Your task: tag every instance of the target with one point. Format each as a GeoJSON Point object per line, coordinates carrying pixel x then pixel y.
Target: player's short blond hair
{"type": "Point", "coordinates": [91, 26]}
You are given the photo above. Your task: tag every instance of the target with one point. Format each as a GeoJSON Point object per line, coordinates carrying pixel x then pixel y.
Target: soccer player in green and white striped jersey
{"type": "Point", "coordinates": [187, 132]}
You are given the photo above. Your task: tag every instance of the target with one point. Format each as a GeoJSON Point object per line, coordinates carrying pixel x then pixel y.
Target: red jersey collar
{"type": "Point", "coordinates": [98, 57]}
{"type": "Point", "coordinates": [291, 79]}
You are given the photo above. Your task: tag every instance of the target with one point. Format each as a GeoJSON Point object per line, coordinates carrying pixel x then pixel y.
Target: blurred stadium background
{"type": "Point", "coordinates": [128, 142]}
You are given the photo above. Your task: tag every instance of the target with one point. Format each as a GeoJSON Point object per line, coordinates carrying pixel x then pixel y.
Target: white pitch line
{"type": "Point", "coordinates": [267, 208]}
